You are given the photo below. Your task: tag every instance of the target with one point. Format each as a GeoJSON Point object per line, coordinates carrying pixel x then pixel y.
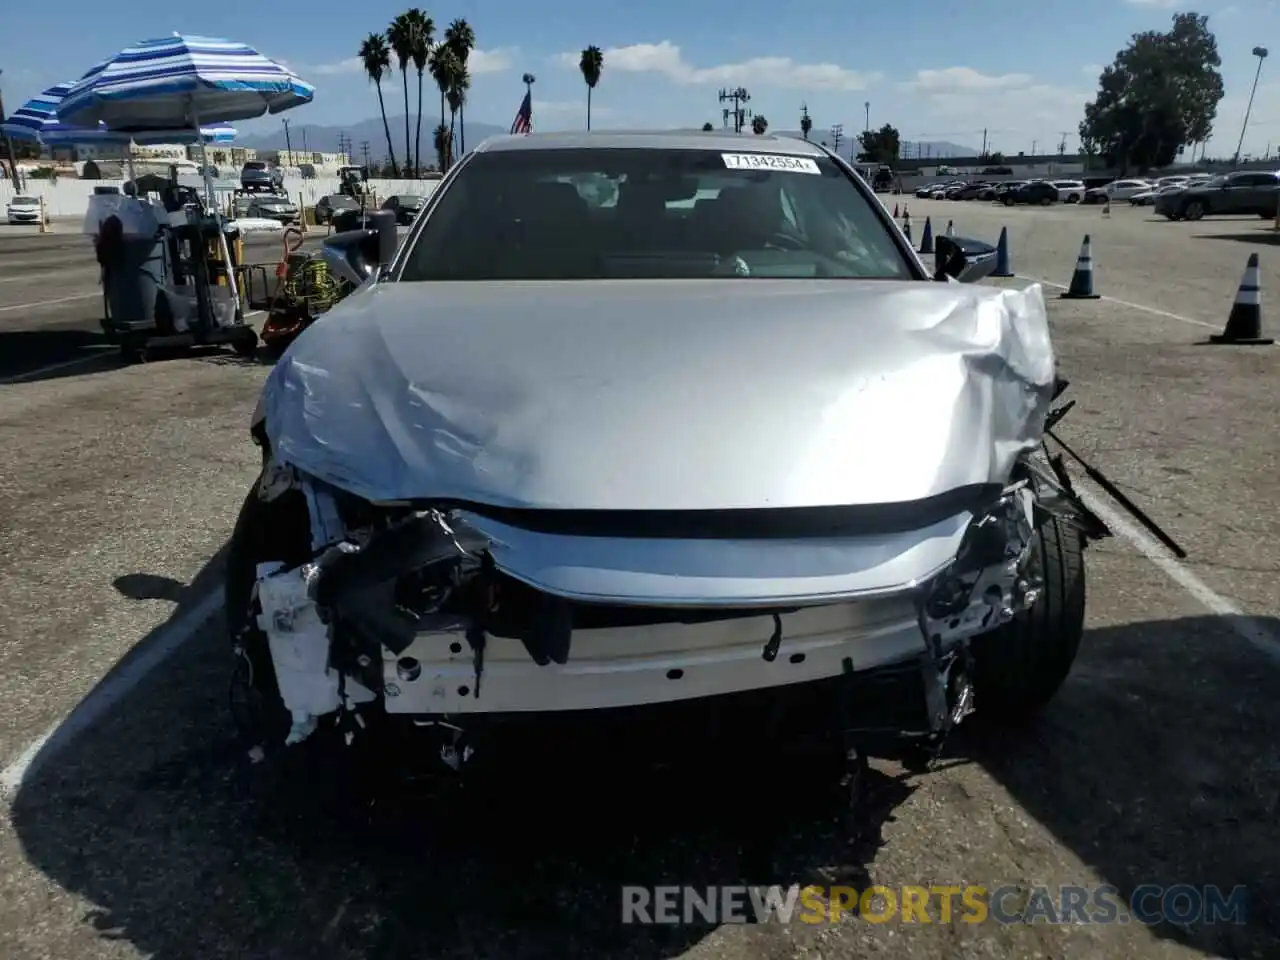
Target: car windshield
{"type": "Point", "coordinates": [583, 214]}
{"type": "Point", "coordinates": [25, 201]}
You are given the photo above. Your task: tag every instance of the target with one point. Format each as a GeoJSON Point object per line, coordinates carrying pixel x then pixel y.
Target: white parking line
{"type": "Point", "coordinates": [108, 693]}
{"type": "Point", "coordinates": [1247, 628]}
{"type": "Point", "coordinates": [49, 303]}
{"type": "Point", "coordinates": [1126, 303]}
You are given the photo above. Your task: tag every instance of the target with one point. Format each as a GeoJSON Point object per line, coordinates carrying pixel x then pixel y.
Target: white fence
{"type": "Point", "coordinates": [70, 198]}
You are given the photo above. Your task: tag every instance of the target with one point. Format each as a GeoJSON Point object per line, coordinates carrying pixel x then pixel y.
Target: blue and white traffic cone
{"type": "Point", "coordinates": [951, 228]}
{"type": "Point", "coordinates": [906, 224]}
{"type": "Point", "coordinates": [1082, 280]}
{"type": "Point", "coordinates": [1244, 325]}
{"type": "Point", "coordinates": [1003, 267]}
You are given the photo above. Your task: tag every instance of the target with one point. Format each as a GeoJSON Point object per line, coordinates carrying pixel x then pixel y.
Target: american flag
{"type": "Point", "coordinates": [523, 123]}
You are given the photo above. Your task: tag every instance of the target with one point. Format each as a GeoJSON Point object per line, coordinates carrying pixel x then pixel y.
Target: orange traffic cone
{"type": "Point", "coordinates": [895, 211]}
{"type": "Point", "coordinates": [1244, 325]}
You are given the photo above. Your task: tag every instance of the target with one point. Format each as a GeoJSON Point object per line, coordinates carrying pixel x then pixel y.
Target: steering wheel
{"type": "Point", "coordinates": [785, 241]}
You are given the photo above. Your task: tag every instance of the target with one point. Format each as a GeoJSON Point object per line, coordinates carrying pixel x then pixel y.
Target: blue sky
{"type": "Point", "coordinates": [1022, 72]}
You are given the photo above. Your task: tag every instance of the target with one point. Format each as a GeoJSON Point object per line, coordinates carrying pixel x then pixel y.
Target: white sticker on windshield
{"type": "Point", "coordinates": [769, 161]}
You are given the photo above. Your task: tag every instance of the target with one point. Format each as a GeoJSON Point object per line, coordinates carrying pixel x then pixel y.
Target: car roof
{"type": "Point", "coordinates": [716, 140]}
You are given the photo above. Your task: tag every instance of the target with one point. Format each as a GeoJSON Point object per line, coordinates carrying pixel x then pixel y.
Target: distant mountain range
{"type": "Point", "coordinates": [913, 150]}
{"type": "Point", "coordinates": [325, 139]}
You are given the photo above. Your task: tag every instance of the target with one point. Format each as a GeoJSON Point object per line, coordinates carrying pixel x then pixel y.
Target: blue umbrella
{"type": "Point", "coordinates": [181, 82]}
{"type": "Point", "coordinates": [37, 119]}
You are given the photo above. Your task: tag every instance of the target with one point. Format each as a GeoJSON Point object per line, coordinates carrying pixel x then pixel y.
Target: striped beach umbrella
{"type": "Point", "coordinates": [182, 81]}
{"type": "Point", "coordinates": [38, 120]}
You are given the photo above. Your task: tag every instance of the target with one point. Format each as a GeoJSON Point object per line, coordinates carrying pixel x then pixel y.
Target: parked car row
{"type": "Point", "coordinates": [1249, 192]}
{"type": "Point", "coordinates": [406, 207]}
{"type": "Point", "coordinates": [1008, 192]}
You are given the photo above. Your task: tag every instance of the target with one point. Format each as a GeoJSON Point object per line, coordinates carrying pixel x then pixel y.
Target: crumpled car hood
{"type": "Point", "coordinates": [655, 395]}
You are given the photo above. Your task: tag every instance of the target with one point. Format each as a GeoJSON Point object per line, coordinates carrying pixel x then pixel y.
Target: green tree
{"type": "Point", "coordinates": [707, 128]}
{"type": "Point", "coordinates": [591, 63]}
{"type": "Point", "coordinates": [375, 56]}
{"type": "Point", "coordinates": [806, 121]}
{"type": "Point", "coordinates": [444, 66]}
{"type": "Point", "coordinates": [759, 124]}
{"type": "Point", "coordinates": [401, 36]}
{"type": "Point", "coordinates": [423, 29]}
{"type": "Point", "coordinates": [444, 146]}
{"type": "Point", "coordinates": [1161, 93]}
{"type": "Point", "coordinates": [456, 95]}
{"type": "Point", "coordinates": [462, 40]}
{"type": "Point", "coordinates": [880, 146]}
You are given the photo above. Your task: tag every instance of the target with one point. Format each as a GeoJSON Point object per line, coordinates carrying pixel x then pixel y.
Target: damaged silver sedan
{"type": "Point", "coordinates": [630, 419]}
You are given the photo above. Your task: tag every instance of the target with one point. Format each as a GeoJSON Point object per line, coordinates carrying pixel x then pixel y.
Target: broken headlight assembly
{"type": "Point", "coordinates": [997, 573]}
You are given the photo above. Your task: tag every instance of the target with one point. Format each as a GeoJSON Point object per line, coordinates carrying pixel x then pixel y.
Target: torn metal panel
{"type": "Point", "coordinates": [681, 395]}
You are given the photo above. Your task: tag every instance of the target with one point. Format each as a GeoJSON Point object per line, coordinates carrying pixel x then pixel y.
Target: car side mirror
{"type": "Point", "coordinates": [963, 259]}
{"type": "Point", "coordinates": [357, 253]}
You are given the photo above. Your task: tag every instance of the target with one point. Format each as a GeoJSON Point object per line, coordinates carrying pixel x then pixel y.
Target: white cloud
{"type": "Point", "coordinates": [1155, 4]}
{"type": "Point", "coordinates": [951, 80]}
{"type": "Point", "coordinates": [491, 61]}
{"type": "Point", "coordinates": [480, 61]}
{"type": "Point", "coordinates": [666, 59]}
{"type": "Point", "coordinates": [349, 65]}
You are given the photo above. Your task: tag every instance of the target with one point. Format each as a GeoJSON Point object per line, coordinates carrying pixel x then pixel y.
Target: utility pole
{"type": "Point", "coordinates": [287, 145]}
{"type": "Point", "coordinates": [1033, 147]}
{"type": "Point", "coordinates": [8, 149]}
{"type": "Point", "coordinates": [1062, 144]}
{"type": "Point", "coordinates": [738, 97]}
{"type": "Point", "coordinates": [364, 149]}
{"type": "Point", "coordinates": [866, 109]}
{"type": "Point", "coordinates": [304, 140]}
{"type": "Point", "coordinates": [837, 134]}
{"type": "Point", "coordinates": [984, 141]}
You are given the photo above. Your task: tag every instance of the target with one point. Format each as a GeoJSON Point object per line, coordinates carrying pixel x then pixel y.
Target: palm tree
{"type": "Point", "coordinates": [459, 86]}
{"type": "Point", "coordinates": [444, 66]}
{"type": "Point", "coordinates": [707, 128]}
{"type": "Point", "coordinates": [376, 59]}
{"type": "Point", "coordinates": [592, 65]}
{"type": "Point", "coordinates": [759, 124]}
{"type": "Point", "coordinates": [443, 146]}
{"type": "Point", "coordinates": [423, 33]}
{"type": "Point", "coordinates": [400, 36]}
{"type": "Point", "coordinates": [462, 40]}
{"type": "Point", "coordinates": [806, 122]}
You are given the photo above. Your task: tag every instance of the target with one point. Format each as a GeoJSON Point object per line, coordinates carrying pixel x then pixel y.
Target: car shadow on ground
{"type": "Point", "coordinates": [1263, 235]}
{"type": "Point", "coordinates": [1156, 766]}
{"type": "Point", "coordinates": [27, 355]}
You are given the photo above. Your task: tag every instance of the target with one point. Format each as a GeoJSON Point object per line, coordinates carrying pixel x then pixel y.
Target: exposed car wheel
{"type": "Point", "coordinates": [1019, 667]}
{"type": "Point", "coordinates": [1073, 198]}
{"type": "Point", "coordinates": [1008, 201]}
{"type": "Point", "coordinates": [1045, 201]}
{"type": "Point", "coordinates": [1194, 210]}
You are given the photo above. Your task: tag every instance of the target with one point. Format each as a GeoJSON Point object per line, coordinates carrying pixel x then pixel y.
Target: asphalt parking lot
{"type": "Point", "coordinates": [136, 837]}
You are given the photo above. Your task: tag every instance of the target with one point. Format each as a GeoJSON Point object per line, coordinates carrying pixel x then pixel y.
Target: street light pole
{"type": "Point", "coordinates": [866, 106]}
{"type": "Point", "coordinates": [1261, 54]}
